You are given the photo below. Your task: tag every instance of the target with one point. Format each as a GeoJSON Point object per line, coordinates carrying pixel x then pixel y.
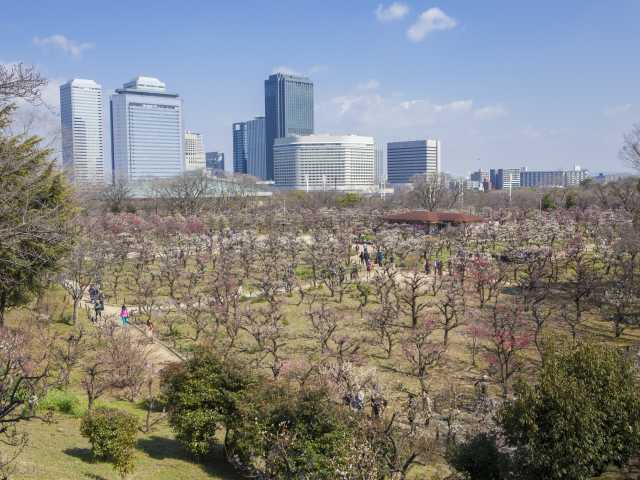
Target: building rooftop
{"type": "Point", "coordinates": [150, 84]}
{"type": "Point", "coordinates": [82, 82]}
{"type": "Point", "coordinates": [322, 138]}
{"type": "Point", "coordinates": [424, 217]}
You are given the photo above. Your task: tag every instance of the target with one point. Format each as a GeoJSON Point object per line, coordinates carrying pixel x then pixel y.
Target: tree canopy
{"type": "Point", "coordinates": [35, 214]}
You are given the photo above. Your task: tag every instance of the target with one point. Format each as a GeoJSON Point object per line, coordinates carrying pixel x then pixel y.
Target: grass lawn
{"type": "Point", "coordinates": [58, 451]}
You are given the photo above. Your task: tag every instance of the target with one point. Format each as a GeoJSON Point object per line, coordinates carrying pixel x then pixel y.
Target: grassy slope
{"type": "Point", "coordinates": [57, 451]}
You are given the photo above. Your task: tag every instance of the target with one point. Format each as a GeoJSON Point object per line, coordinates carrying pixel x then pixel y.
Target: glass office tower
{"type": "Point", "coordinates": [288, 107]}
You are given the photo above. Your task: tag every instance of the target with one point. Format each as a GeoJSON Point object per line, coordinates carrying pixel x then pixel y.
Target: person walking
{"type": "Point", "coordinates": [99, 308]}
{"type": "Point", "coordinates": [150, 331]}
{"type": "Point", "coordinates": [124, 315]}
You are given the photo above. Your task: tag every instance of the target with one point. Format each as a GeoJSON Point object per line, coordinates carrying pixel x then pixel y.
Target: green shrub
{"type": "Point", "coordinates": [112, 434]}
{"type": "Point", "coordinates": [201, 394]}
{"type": "Point", "coordinates": [61, 401]}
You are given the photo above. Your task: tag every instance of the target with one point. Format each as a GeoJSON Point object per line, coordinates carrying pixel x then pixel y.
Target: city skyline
{"type": "Point", "coordinates": [506, 84]}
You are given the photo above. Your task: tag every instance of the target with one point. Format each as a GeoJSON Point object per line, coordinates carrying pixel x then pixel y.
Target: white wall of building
{"type": "Point", "coordinates": [83, 146]}
{"type": "Point", "coordinates": [324, 162]}
{"type": "Point", "coordinates": [147, 133]}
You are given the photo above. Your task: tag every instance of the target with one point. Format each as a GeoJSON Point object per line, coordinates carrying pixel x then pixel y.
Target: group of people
{"type": "Point", "coordinates": [365, 258]}
{"type": "Point", "coordinates": [438, 267]}
{"type": "Point", "coordinates": [357, 401]}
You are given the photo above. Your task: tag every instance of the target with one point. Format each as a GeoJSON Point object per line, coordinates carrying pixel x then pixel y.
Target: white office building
{"type": "Point", "coordinates": [146, 131]}
{"type": "Point", "coordinates": [324, 162]}
{"type": "Point", "coordinates": [408, 159]}
{"type": "Point", "coordinates": [256, 148]}
{"type": "Point", "coordinates": [82, 118]}
{"type": "Point", "coordinates": [194, 157]}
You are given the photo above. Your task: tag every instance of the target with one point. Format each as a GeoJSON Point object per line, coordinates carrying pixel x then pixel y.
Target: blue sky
{"type": "Point", "coordinates": [502, 83]}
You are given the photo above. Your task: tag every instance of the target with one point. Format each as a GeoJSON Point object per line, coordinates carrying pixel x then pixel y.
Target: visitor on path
{"type": "Point", "coordinates": [99, 308]}
{"type": "Point", "coordinates": [124, 315]}
{"type": "Point", "coordinates": [379, 258]}
{"type": "Point", "coordinates": [354, 272]}
{"type": "Point", "coordinates": [366, 255]}
{"type": "Point", "coordinates": [93, 293]}
{"type": "Point", "coordinates": [427, 267]}
{"type": "Point", "coordinates": [368, 268]}
{"type": "Point", "coordinates": [150, 331]}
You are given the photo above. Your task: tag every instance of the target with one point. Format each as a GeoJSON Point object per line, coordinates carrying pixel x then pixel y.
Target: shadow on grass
{"type": "Point", "coordinates": [83, 454]}
{"type": "Point", "coordinates": [160, 448]}
{"type": "Point", "coordinates": [93, 476]}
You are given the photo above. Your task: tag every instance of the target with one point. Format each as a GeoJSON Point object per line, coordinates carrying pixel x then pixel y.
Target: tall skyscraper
{"type": "Point", "coordinates": [146, 131]}
{"type": "Point", "coordinates": [82, 117]}
{"type": "Point", "coordinates": [256, 150]}
{"type": "Point", "coordinates": [214, 160]}
{"type": "Point", "coordinates": [406, 159]}
{"type": "Point", "coordinates": [324, 162]}
{"type": "Point", "coordinates": [194, 158]}
{"type": "Point", "coordinates": [288, 108]}
{"type": "Point", "coordinates": [240, 147]}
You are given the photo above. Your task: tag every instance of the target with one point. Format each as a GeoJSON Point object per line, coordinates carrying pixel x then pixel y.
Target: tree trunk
{"type": "Point", "coordinates": [74, 317]}
{"type": "Point", "coordinates": [3, 306]}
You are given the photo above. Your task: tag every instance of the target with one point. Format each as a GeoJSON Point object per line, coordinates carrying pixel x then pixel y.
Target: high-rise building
{"type": "Point", "coordinates": [146, 131]}
{"type": "Point", "coordinates": [214, 160]}
{"type": "Point", "coordinates": [407, 159]}
{"type": "Point", "coordinates": [240, 147]}
{"type": "Point", "coordinates": [380, 168]}
{"type": "Point", "coordinates": [256, 150]}
{"type": "Point", "coordinates": [194, 158]}
{"type": "Point", "coordinates": [324, 162]}
{"type": "Point", "coordinates": [288, 108]}
{"type": "Point", "coordinates": [82, 117]}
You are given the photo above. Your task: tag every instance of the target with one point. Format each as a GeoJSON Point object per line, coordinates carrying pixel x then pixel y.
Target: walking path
{"type": "Point", "coordinates": [157, 352]}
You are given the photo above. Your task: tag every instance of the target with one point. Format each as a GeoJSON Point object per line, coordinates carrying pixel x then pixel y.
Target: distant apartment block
{"type": "Point", "coordinates": [82, 118]}
{"type": "Point", "coordinates": [214, 160]}
{"type": "Point", "coordinates": [324, 162]}
{"type": "Point", "coordinates": [407, 159]}
{"type": "Point", "coordinates": [194, 158]}
{"type": "Point", "coordinates": [146, 131]}
{"type": "Point", "coordinates": [505, 178]}
{"type": "Point", "coordinates": [552, 178]}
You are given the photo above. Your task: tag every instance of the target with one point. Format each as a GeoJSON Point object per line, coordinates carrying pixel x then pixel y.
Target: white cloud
{"type": "Point", "coordinates": [395, 11]}
{"type": "Point", "coordinates": [65, 44]}
{"type": "Point", "coordinates": [430, 21]}
{"type": "Point", "coordinates": [490, 112]}
{"type": "Point", "coordinates": [617, 110]}
{"type": "Point", "coordinates": [286, 70]}
{"type": "Point", "coordinates": [369, 85]}
{"type": "Point", "coordinates": [318, 68]}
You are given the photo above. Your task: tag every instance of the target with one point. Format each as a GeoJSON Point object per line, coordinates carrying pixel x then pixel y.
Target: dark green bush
{"type": "Point", "coordinates": [479, 458]}
{"type": "Point", "coordinates": [112, 434]}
